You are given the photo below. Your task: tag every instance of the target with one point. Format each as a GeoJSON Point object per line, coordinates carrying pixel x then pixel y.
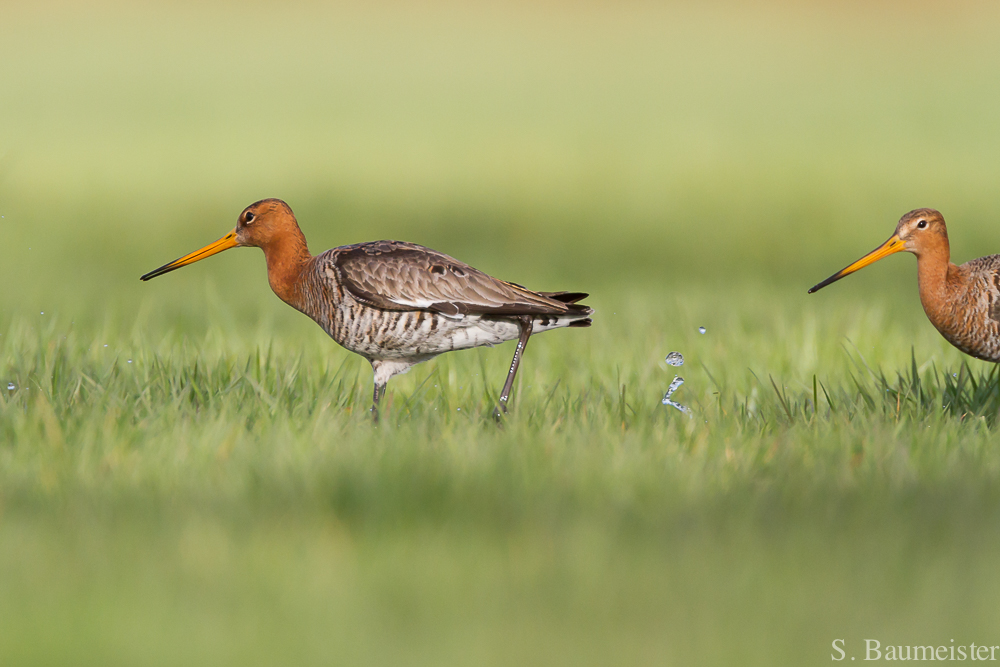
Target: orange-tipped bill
{"type": "Point", "coordinates": [893, 245]}
{"type": "Point", "coordinates": [225, 243]}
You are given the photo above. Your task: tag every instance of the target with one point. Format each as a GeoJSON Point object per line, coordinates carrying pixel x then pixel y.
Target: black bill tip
{"type": "Point", "coordinates": [832, 279]}
{"type": "Point", "coordinates": [166, 268]}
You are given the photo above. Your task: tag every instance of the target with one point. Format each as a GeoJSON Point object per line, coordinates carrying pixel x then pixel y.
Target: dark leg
{"type": "Point", "coordinates": [522, 342]}
{"type": "Point", "coordinates": [376, 398]}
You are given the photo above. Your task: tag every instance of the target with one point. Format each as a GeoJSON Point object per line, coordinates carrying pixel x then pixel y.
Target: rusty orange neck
{"type": "Point", "coordinates": [938, 278]}
{"type": "Point", "coordinates": [287, 256]}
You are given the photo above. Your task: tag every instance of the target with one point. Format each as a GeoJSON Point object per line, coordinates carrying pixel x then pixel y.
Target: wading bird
{"type": "Point", "coordinates": [396, 304]}
{"type": "Point", "coordinates": [962, 302]}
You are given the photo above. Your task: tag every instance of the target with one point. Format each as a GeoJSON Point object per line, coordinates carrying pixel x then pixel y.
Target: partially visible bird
{"type": "Point", "coordinates": [394, 303]}
{"type": "Point", "coordinates": [962, 302]}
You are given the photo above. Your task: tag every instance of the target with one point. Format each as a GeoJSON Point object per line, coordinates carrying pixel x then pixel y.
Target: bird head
{"type": "Point", "coordinates": [919, 231]}
{"type": "Point", "coordinates": [260, 224]}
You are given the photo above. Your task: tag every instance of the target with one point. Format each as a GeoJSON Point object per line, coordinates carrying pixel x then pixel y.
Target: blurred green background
{"type": "Point", "coordinates": [624, 145]}
{"type": "Point", "coordinates": [187, 474]}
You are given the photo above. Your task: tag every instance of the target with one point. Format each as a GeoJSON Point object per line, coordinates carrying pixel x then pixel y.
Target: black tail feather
{"type": "Point", "coordinates": [566, 297]}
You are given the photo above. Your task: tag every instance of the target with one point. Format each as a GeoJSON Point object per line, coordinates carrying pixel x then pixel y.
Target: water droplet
{"type": "Point", "coordinates": [675, 359]}
{"type": "Point", "coordinates": [702, 330]}
{"type": "Point", "coordinates": [674, 386]}
{"type": "Point", "coordinates": [11, 386]}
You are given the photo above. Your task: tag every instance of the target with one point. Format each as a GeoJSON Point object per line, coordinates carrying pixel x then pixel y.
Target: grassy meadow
{"type": "Point", "coordinates": [188, 472]}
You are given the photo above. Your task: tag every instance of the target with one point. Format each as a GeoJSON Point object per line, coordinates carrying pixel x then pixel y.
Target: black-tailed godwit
{"type": "Point", "coordinates": [394, 303]}
{"type": "Point", "coordinates": [962, 302]}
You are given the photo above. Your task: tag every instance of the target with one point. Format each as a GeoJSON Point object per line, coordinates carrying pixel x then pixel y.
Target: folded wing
{"type": "Point", "coordinates": [393, 275]}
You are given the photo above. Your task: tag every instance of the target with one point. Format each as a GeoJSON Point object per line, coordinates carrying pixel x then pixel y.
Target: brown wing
{"type": "Point", "coordinates": [393, 275]}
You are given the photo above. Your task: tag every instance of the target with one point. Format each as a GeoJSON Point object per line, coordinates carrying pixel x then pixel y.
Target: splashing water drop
{"type": "Point", "coordinates": [678, 381]}
{"type": "Point", "coordinates": [675, 359]}
{"type": "Point", "coordinates": [702, 330]}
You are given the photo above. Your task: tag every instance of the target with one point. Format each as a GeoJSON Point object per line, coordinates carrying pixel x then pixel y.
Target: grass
{"type": "Point", "coordinates": [227, 500]}
{"type": "Point", "coordinates": [188, 473]}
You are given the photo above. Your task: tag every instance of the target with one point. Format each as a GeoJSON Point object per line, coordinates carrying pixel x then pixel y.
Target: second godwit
{"type": "Point", "coordinates": [394, 303]}
{"type": "Point", "coordinates": [962, 302]}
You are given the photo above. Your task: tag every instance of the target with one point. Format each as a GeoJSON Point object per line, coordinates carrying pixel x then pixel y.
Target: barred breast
{"type": "Point", "coordinates": [972, 318]}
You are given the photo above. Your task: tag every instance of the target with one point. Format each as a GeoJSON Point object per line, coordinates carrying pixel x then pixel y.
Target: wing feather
{"type": "Point", "coordinates": [393, 275]}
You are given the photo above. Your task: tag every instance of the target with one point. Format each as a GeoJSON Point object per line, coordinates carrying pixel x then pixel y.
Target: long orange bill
{"type": "Point", "coordinates": [893, 245]}
{"type": "Point", "coordinates": [225, 243]}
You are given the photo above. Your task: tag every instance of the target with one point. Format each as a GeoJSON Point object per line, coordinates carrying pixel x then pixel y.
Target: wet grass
{"type": "Point", "coordinates": [188, 472]}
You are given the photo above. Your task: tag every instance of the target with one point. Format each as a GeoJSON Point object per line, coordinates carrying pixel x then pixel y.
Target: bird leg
{"type": "Point", "coordinates": [525, 322]}
{"type": "Point", "coordinates": [376, 398]}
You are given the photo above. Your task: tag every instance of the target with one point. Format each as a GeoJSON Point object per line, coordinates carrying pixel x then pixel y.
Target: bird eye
{"type": "Point", "coordinates": [921, 224]}
{"type": "Point", "coordinates": [248, 218]}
